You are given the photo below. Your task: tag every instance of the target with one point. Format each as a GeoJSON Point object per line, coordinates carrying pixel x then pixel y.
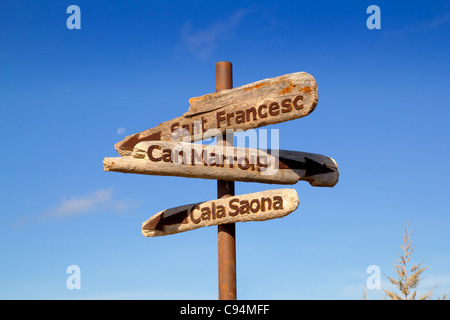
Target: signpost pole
{"type": "Point", "coordinates": [226, 232]}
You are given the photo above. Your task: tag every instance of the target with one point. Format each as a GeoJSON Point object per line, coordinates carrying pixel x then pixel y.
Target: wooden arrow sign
{"type": "Point", "coordinates": [257, 104]}
{"type": "Point", "coordinates": [258, 206]}
{"type": "Point", "coordinates": [191, 160]}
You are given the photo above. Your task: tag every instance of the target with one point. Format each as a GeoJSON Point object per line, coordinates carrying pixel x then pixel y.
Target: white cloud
{"type": "Point", "coordinates": [438, 21]}
{"type": "Point", "coordinates": [121, 130]}
{"type": "Point", "coordinates": [100, 200]}
{"type": "Point", "coordinates": [423, 26]}
{"type": "Point", "coordinates": [203, 41]}
{"type": "Point", "coordinates": [79, 204]}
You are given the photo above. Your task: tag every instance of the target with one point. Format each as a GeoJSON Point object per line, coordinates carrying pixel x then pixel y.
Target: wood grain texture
{"type": "Point", "coordinates": [258, 206]}
{"type": "Point", "coordinates": [167, 158]}
{"type": "Point", "coordinates": [257, 104]}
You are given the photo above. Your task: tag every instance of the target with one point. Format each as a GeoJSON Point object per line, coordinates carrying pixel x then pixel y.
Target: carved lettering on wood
{"type": "Point", "coordinates": [261, 103]}
{"type": "Point", "coordinates": [191, 160]}
{"type": "Point", "coordinates": [258, 206]}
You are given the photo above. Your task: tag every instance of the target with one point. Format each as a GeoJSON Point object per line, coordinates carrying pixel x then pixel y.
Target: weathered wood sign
{"type": "Point", "coordinates": [256, 206]}
{"type": "Point", "coordinates": [191, 160]}
{"type": "Point", "coordinates": [257, 104]}
{"type": "Point", "coordinates": [168, 150]}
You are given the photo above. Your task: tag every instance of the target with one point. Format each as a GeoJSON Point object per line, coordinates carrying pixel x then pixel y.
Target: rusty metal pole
{"type": "Point", "coordinates": [227, 232]}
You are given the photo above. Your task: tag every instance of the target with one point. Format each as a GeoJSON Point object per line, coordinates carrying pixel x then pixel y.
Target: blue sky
{"type": "Point", "coordinates": [67, 96]}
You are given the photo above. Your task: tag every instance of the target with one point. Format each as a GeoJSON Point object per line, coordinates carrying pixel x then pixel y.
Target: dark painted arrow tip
{"type": "Point", "coordinates": [313, 168]}
{"type": "Point", "coordinates": [310, 166]}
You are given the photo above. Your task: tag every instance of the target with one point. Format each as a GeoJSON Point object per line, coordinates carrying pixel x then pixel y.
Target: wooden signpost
{"type": "Point", "coordinates": [226, 233]}
{"type": "Point", "coordinates": [167, 150]}
{"type": "Point", "coordinates": [190, 160]}
{"type": "Point", "coordinates": [258, 206]}
{"type": "Point", "coordinates": [261, 103]}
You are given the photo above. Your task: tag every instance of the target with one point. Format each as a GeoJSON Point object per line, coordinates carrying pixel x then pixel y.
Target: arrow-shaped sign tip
{"type": "Point", "coordinates": [313, 168]}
